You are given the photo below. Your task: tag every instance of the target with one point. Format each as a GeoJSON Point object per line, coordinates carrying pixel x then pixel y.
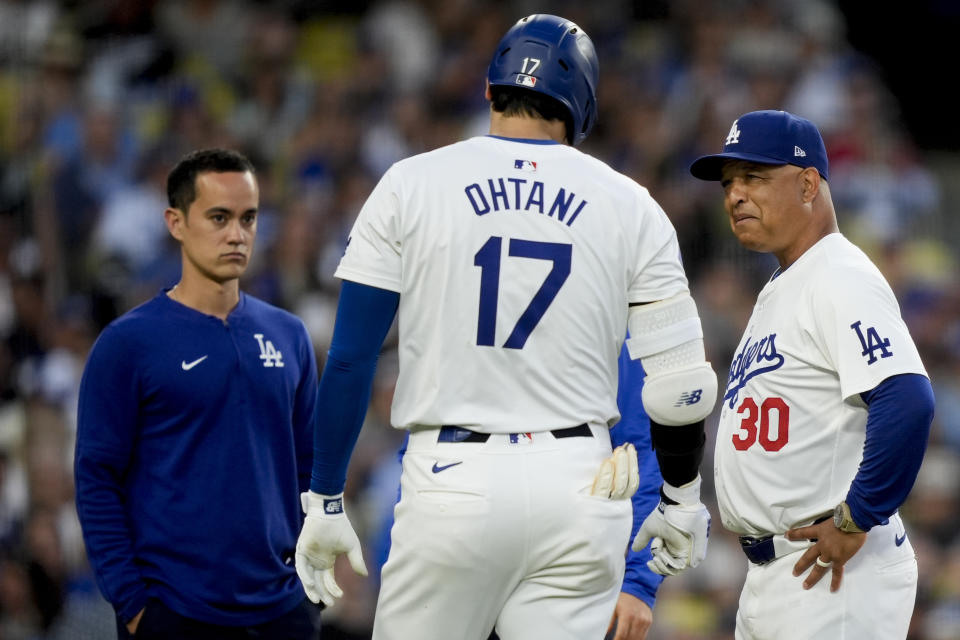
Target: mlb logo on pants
{"type": "Point", "coordinates": [521, 438]}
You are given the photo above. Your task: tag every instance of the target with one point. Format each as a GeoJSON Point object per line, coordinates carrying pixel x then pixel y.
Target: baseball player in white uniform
{"type": "Point", "coordinates": [827, 407]}
{"type": "Point", "coordinates": [515, 264]}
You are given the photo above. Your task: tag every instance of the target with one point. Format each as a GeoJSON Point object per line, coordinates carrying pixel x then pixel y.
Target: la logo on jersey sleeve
{"type": "Point", "coordinates": [871, 343]}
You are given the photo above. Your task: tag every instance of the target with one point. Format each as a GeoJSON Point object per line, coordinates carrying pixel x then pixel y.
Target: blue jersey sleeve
{"type": "Point", "coordinates": [634, 427]}
{"type": "Point", "coordinates": [107, 428]}
{"type": "Point", "coordinates": [364, 316]}
{"type": "Point", "coordinates": [305, 411]}
{"type": "Point", "coordinates": [899, 414]}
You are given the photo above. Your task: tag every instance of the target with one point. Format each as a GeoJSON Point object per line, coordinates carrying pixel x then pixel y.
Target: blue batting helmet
{"type": "Point", "coordinates": [553, 56]}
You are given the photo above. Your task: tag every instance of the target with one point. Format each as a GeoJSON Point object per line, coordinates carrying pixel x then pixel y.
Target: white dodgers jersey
{"type": "Point", "coordinates": [515, 261]}
{"type": "Point", "coordinates": [792, 423]}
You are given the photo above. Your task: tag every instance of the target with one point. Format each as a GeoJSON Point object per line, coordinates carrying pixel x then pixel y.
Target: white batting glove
{"type": "Point", "coordinates": [326, 534]}
{"type": "Point", "coordinates": [619, 475]}
{"type": "Point", "coordinates": [679, 531]}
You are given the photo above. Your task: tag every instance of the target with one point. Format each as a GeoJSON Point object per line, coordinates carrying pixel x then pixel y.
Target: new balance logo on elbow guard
{"type": "Point", "coordinates": [688, 398]}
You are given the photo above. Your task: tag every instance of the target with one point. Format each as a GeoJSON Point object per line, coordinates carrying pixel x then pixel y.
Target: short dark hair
{"type": "Point", "coordinates": [515, 101]}
{"type": "Point", "coordinates": [182, 180]}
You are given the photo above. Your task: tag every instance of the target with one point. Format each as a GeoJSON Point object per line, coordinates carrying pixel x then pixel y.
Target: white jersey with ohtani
{"type": "Point", "coordinates": [515, 261]}
{"type": "Point", "coordinates": [792, 422]}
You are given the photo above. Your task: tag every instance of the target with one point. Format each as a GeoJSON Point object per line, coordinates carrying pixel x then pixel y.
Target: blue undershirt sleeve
{"type": "Point", "coordinates": [899, 414]}
{"type": "Point", "coordinates": [364, 316]}
{"type": "Point", "coordinates": [634, 426]}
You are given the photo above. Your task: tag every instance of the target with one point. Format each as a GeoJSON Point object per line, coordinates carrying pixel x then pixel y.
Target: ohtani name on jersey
{"type": "Point", "coordinates": [754, 359]}
{"type": "Point", "coordinates": [520, 194]}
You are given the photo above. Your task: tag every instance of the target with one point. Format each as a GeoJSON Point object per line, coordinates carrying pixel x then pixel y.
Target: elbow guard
{"type": "Point", "coordinates": [680, 397]}
{"type": "Point", "coordinates": [680, 387]}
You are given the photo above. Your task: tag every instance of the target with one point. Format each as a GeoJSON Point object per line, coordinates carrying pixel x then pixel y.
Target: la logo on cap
{"type": "Point", "coordinates": [734, 136]}
{"type": "Point", "coordinates": [772, 138]}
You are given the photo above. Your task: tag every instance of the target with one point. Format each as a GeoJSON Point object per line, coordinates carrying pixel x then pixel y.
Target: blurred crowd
{"type": "Point", "coordinates": [99, 98]}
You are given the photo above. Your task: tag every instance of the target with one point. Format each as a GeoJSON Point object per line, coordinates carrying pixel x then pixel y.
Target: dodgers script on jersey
{"type": "Point", "coordinates": [527, 253]}
{"type": "Point", "coordinates": [792, 421]}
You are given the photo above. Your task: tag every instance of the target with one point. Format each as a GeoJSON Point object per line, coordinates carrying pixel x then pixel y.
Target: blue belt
{"type": "Point", "coordinates": [758, 550]}
{"type": "Point", "coordinates": [762, 550]}
{"type": "Point", "coordinates": [453, 433]}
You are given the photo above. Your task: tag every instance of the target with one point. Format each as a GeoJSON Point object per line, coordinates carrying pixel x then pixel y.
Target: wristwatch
{"type": "Point", "coordinates": [843, 521]}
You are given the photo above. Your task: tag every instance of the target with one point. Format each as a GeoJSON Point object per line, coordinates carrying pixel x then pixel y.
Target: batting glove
{"type": "Point", "coordinates": [619, 475]}
{"type": "Point", "coordinates": [326, 534]}
{"type": "Point", "coordinates": [679, 531]}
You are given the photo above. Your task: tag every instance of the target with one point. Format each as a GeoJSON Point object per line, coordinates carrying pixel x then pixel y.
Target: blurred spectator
{"type": "Point", "coordinates": [130, 245]}
{"type": "Point", "coordinates": [276, 92]}
{"type": "Point", "coordinates": [207, 32]}
{"type": "Point", "coordinates": [404, 34]}
{"type": "Point", "coordinates": [88, 177]}
{"type": "Point", "coordinates": [25, 27]}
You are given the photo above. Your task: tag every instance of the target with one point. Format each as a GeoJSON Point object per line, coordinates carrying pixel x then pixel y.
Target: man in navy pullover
{"type": "Point", "coordinates": [195, 432]}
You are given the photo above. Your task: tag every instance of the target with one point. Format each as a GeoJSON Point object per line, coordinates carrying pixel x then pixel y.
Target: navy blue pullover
{"type": "Point", "coordinates": [194, 441]}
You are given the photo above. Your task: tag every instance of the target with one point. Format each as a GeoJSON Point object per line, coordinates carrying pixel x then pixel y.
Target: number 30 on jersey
{"type": "Point", "coordinates": [757, 424]}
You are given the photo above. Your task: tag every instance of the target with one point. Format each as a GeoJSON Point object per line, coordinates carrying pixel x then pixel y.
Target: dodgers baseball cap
{"type": "Point", "coordinates": [767, 137]}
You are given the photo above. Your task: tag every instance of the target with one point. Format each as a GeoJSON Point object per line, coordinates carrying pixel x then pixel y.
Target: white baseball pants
{"type": "Point", "coordinates": [503, 533]}
{"type": "Point", "coordinates": [875, 600]}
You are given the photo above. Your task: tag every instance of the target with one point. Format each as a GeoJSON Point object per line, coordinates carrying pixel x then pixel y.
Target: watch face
{"type": "Point", "coordinates": [838, 516]}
